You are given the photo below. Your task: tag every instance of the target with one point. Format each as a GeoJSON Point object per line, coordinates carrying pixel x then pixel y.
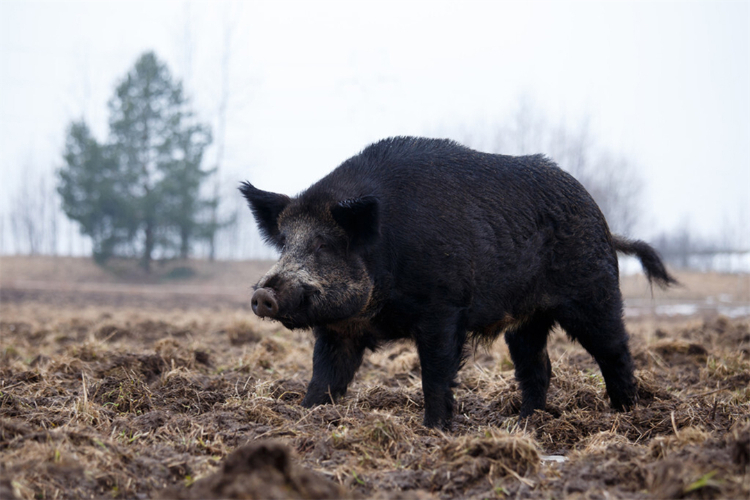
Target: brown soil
{"type": "Point", "coordinates": [166, 394]}
{"type": "Point", "coordinates": [262, 469]}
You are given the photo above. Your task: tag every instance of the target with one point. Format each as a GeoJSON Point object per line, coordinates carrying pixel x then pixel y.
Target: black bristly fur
{"type": "Point", "coordinates": [359, 218]}
{"type": "Point", "coordinates": [266, 207]}
{"type": "Point", "coordinates": [448, 246]}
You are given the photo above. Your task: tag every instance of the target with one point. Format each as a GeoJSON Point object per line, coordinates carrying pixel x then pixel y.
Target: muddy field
{"type": "Point", "coordinates": [177, 391]}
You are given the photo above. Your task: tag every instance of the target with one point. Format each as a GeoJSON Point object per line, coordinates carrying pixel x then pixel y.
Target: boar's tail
{"type": "Point", "coordinates": [650, 260]}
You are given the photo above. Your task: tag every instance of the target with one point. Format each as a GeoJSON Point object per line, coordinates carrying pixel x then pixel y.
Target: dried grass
{"type": "Point", "coordinates": [125, 401]}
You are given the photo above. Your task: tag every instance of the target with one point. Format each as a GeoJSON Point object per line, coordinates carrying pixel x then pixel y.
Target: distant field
{"type": "Point", "coordinates": [116, 385]}
{"type": "Point", "coordinates": [230, 282]}
{"type": "Point", "coordinates": [80, 282]}
{"type": "Point", "coordinates": [85, 270]}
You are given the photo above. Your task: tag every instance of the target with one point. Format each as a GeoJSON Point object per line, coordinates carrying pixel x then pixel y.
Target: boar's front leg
{"type": "Point", "coordinates": [440, 347]}
{"type": "Point", "coordinates": [335, 360]}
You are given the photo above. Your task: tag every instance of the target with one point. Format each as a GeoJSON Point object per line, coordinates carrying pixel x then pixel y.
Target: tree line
{"type": "Point", "coordinates": [144, 192]}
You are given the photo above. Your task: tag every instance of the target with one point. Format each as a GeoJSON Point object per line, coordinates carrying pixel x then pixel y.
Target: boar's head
{"type": "Point", "coordinates": [321, 277]}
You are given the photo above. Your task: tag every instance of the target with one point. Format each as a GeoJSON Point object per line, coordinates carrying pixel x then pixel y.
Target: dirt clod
{"type": "Point", "coordinates": [260, 470]}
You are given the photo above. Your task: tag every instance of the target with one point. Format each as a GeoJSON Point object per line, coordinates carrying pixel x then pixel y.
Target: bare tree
{"type": "Point", "coordinates": [616, 187]}
{"type": "Point", "coordinates": [571, 148]}
{"type": "Point", "coordinates": [229, 27]}
{"type": "Point", "coordinates": [15, 231]}
{"type": "Point", "coordinates": [33, 215]}
{"type": "Point", "coordinates": [528, 128]}
{"type": "Point", "coordinates": [2, 234]}
{"type": "Point", "coordinates": [52, 221]}
{"type": "Point", "coordinates": [24, 216]}
{"type": "Point", "coordinates": [220, 217]}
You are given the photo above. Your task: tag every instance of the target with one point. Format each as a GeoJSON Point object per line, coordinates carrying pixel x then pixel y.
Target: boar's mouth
{"type": "Point", "coordinates": [310, 312]}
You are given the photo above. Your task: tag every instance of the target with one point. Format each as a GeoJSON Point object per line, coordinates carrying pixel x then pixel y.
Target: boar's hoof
{"type": "Point", "coordinates": [264, 303]}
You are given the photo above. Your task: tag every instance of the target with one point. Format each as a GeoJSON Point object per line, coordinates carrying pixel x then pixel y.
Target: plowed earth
{"type": "Point", "coordinates": [191, 397]}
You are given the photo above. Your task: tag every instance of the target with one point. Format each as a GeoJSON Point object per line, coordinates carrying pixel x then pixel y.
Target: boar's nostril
{"type": "Point", "coordinates": [264, 303]}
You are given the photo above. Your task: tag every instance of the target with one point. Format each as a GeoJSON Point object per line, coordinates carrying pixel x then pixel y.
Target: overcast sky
{"type": "Point", "coordinates": [666, 84]}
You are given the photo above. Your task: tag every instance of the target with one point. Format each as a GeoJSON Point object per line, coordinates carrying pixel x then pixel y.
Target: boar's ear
{"type": "Point", "coordinates": [359, 218]}
{"type": "Point", "coordinates": [266, 208]}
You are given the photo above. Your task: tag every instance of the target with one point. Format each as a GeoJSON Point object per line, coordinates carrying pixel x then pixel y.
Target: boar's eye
{"type": "Point", "coordinates": [321, 246]}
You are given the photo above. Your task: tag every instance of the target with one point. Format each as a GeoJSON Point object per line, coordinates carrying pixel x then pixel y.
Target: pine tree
{"type": "Point", "coordinates": [92, 193]}
{"type": "Point", "coordinates": [153, 160]}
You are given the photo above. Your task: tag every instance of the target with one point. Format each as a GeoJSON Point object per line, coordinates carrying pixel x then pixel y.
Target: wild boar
{"type": "Point", "coordinates": [428, 240]}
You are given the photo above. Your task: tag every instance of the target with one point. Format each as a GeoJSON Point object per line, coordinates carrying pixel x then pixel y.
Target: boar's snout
{"type": "Point", "coordinates": [264, 303]}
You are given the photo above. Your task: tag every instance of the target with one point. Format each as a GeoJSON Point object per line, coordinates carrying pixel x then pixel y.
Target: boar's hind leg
{"type": "Point", "coordinates": [335, 360]}
{"type": "Point", "coordinates": [440, 347]}
{"type": "Point", "coordinates": [602, 333]}
{"type": "Point", "coordinates": [527, 344]}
